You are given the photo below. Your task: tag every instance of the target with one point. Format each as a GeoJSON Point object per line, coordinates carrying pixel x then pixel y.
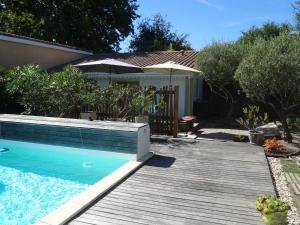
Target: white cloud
{"type": "Point", "coordinates": [210, 4]}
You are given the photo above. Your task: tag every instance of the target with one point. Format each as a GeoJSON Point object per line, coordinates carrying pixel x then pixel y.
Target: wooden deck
{"type": "Point", "coordinates": [201, 182]}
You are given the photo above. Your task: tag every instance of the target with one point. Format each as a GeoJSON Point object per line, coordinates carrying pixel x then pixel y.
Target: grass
{"type": "Point", "coordinates": [289, 165]}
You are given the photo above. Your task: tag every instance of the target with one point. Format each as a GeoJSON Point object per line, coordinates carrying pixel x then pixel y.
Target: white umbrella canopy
{"type": "Point", "coordinates": [171, 68]}
{"type": "Point", "coordinates": [109, 66]}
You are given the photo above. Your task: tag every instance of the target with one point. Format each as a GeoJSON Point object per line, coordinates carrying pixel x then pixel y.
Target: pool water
{"type": "Point", "coordinates": [35, 178]}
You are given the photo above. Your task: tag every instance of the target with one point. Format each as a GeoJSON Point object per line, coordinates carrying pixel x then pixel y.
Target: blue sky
{"type": "Point", "coordinates": [208, 20]}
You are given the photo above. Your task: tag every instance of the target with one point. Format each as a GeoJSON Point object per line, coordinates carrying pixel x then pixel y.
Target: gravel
{"type": "Point", "coordinates": [283, 190]}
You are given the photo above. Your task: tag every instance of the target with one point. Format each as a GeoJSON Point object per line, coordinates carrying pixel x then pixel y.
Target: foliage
{"type": "Point", "coordinates": [61, 95]}
{"type": "Point", "coordinates": [32, 86]}
{"type": "Point", "coordinates": [95, 25]}
{"type": "Point", "coordinates": [240, 138]}
{"type": "Point", "coordinates": [273, 145]}
{"type": "Point", "coordinates": [270, 73]}
{"type": "Point", "coordinates": [274, 210]}
{"type": "Point", "coordinates": [126, 100]}
{"type": "Point", "coordinates": [266, 32]}
{"type": "Point", "coordinates": [267, 204]}
{"type": "Point", "coordinates": [297, 14]}
{"type": "Point", "coordinates": [118, 98]}
{"type": "Point", "coordinates": [294, 122]}
{"type": "Point", "coordinates": [69, 91]}
{"type": "Point", "coordinates": [156, 35]}
{"type": "Point", "coordinates": [252, 117]}
{"type": "Point", "coordinates": [142, 100]}
{"type": "Point", "coordinates": [218, 62]}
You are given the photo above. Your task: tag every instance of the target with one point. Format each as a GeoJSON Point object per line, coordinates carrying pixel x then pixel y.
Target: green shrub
{"type": "Point", "coordinates": [273, 210]}
{"type": "Point", "coordinates": [267, 204]}
{"type": "Point", "coordinates": [252, 117]}
{"type": "Point", "coordinates": [60, 94]}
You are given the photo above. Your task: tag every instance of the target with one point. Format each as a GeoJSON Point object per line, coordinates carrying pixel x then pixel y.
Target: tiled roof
{"type": "Point", "coordinates": [43, 42]}
{"type": "Point", "coordinates": [185, 58]}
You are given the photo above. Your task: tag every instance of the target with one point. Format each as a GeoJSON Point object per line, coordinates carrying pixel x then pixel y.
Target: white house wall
{"type": "Point", "coordinates": [162, 81]}
{"type": "Point", "coordinates": [146, 80]}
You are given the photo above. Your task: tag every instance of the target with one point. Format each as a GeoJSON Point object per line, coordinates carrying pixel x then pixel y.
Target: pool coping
{"type": "Point", "coordinates": [81, 201]}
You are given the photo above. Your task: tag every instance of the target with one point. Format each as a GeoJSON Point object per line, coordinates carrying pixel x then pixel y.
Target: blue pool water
{"type": "Point", "coordinates": [35, 178]}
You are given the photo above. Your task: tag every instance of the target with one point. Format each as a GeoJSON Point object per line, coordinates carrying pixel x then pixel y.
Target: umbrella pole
{"type": "Point", "coordinates": [170, 76]}
{"type": "Point", "coordinates": [109, 75]}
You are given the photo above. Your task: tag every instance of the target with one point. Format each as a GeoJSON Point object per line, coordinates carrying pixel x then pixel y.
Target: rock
{"type": "Point", "coordinates": [270, 130]}
{"type": "Point", "coordinates": [283, 190]}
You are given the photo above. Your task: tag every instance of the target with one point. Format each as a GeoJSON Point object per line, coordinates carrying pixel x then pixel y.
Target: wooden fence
{"type": "Point", "coordinates": [165, 119]}
{"type": "Point", "coordinates": [163, 116]}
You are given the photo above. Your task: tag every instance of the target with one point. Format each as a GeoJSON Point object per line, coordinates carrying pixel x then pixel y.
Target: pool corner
{"type": "Point", "coordinates": [76, 205]}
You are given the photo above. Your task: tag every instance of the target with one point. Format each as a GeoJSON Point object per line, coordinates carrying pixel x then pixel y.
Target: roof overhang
{"type": "Point", "coordinates": [98, 75]}
{"type": "Point", "coordinates": [17, 39]}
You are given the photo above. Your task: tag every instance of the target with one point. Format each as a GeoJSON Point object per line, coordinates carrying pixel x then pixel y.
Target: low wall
{"type": "Point", "coordinates": [121, 137]}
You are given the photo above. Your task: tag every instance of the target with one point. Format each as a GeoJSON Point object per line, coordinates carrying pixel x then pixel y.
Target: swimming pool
{"type": "Point", "coordinates": [36, 178]}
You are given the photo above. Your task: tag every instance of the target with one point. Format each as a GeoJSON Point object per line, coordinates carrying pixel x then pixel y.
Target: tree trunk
{"type": "Point", "coordinates": [283, 117]}
{"type": "Point", "coordinates": [231, 109]}
{"type": "Point", "coordinates": [286, 131]}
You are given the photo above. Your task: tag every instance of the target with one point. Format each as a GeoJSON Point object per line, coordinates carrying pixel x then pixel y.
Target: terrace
{"type": "Point", "coordinates": [188, 182]}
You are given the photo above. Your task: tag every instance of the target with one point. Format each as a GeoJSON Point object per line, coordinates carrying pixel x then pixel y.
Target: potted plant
{"type": "Point", "coordinates": [251, 120]}
{"type": "Point", "coordinates": [274, 211]}
{"type": "Point", "coordinates": [142, 103]}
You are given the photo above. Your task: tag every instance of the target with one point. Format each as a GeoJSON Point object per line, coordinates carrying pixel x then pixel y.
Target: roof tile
{"type": "Point", "coordinates": [185, 58]}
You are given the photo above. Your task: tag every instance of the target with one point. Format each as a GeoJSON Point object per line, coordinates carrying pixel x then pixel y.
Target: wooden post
{"type": "Point", "coordinates": [176, 109]}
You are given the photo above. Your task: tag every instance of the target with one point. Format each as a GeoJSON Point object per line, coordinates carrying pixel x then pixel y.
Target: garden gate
{"type": "Point", "coordinates": [164, 120]}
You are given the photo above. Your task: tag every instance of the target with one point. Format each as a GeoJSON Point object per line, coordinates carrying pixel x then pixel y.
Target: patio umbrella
{"type": "Point", "coordinates": [109, 66]}
{"type": "Point", "coordinates": [170, 68]}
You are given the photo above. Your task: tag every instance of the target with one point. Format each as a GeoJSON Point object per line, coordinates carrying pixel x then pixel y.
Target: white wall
{"type": "Point", "coordinates": [157, 80]}
{"type": "Point", "coordinates": [161, 82]}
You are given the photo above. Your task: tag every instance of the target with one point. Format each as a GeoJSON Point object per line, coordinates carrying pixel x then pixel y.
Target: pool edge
{"type": "Point", "coordinates": [74, 206]}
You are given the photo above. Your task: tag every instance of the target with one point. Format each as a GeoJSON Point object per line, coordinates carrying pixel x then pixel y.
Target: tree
{"type": "Point", "coordinates": [297, 14]}
{"type": "Point", "coordinates": [62, 94]}
{"type": "Point", "coordinates": [270, 73]}
{"type": "Point", "coordinates": [266, 32]}
{"type": "Point", "coordinates": [96, 25]}
{"type": "Point", "coordinates": [31, 85]}
{"type": "Point", "coordinates": [8, 102]}
{"type": "Point", "coordinates": [69, 91]}
{"type": "Point", "coordinates": [218, 62]}
{"type": "Point", "coordinates": [156, 35]}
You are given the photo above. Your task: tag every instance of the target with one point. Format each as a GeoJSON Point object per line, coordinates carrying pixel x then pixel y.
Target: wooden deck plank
{"type": "Point", "coordinates": [199, 182]}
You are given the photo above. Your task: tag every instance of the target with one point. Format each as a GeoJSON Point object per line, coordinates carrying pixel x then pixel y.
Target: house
{"type": "Point", "coordinates": [190, 85]}
{"type": "Point", "coordinates": [16, 50]}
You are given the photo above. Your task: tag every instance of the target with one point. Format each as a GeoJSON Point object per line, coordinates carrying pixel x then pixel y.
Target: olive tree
{"type": "Point", "coordinates": [270, 73]}
{"type": "Point", "coordinates": [218, 62]}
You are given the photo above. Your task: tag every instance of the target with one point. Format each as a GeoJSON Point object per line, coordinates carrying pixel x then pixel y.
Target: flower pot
{"type": "Point", "coordinates": [256, 137]}
{"type": "Point", "coordinates": [276, 218]}
{"type": "Point", "coordinates": [141, 119]}
{"type": "Point", "coordinates": [88, 116]}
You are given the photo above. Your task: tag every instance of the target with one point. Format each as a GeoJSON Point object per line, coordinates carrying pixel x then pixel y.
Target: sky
{"type": "Point", "coordinates": [205, 21]}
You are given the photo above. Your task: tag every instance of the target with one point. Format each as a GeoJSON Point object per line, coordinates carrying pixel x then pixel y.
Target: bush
{"type": "Point", "coordinates": [252, 117]}
{"type": "Point", "coordinates": [273, 145]}
{"type": "Point", "coordinates": [267, 204]}
{"type": "Point", "coordinates": [31, 86]}
{"type": "Point", "coordinates": [274, 210]}
{"type": "Point", "coordinates": [124, 100]}
{"type": "Point", "coordinates": [60, 94]}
